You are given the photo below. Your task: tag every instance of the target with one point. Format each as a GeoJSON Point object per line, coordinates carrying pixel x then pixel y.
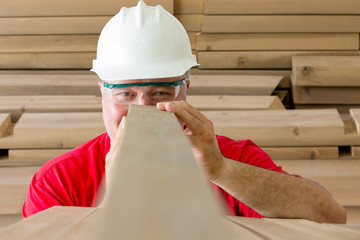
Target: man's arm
{"type": "Point", "coordinates": [270, 193]}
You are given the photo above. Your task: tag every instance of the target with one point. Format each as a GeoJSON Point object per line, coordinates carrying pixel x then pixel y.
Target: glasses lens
{"type": "Point", "coordinates": [152, 94]}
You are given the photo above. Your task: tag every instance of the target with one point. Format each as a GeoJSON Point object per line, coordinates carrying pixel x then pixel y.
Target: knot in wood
{"type": "Point", "coordinates": [306, 70]}
{"type": "Point", "coordinates": [296, 131]}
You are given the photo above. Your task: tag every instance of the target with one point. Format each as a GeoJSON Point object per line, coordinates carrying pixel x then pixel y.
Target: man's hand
{"type": "Point", "coordinates": [201, 133]}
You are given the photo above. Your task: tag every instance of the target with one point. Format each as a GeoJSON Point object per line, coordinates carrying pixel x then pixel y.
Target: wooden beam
{"type": "Point", "coordinates": [274, 42]}
{"type": "Point", "coordinates": [232, 84]}
{"type": "Point", "coordinates": [29, 157]}
{"type": "Point", "coordinates": [188, 6]}
{"type": "Point", "coordinates": [221, 102]}
{"type": "Point", "coordinates": [355, 117]}
{"type": "Point", "coordinates": [7, 220]}
{"type": "Point", "coordinates": [355, 152]}
{"type": "Point", "coordinates": [48, 83]}
{"type": "Point", "coordinates": [5, 122]}
{"type": "Point", "coordinates": [290, 153]}
{"type": "Point", "coordinates": [62, 60]}
{"type": "Point", "coordinates": [281, 24]}
{"type": "Point", "coordinates": [191, 22]}
{"type": "Point", "coordinates": [37, 8]}
{"type": "Point", "coordinates": [168, 162]}
{"type": "Point", "coordinates": [281, 7]}
{"type": "Point", "coordinates": [353, 215]}
{"type": "Point", "coordinates": [326, 71]}
{"type": "Point", "coordinates": [257, 59]}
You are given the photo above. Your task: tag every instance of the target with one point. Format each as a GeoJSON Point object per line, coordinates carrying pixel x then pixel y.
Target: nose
{"type": "Point", "coordinates": [143, 100]}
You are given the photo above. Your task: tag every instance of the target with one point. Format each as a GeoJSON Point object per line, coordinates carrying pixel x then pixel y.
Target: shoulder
{"type": "Point", "coordinates": [90, 154]}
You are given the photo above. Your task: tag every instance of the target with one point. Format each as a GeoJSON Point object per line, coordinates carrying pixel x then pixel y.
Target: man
{"type": "Point", "coordinates": [143, 58]}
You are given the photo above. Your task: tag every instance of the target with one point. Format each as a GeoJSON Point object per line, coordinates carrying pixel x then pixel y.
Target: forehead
{"type": "Point", "coordinates": [170, 79]}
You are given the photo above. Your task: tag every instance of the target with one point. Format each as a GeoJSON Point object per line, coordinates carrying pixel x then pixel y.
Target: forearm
{"type": "Point", "coordinates": [274, 194]}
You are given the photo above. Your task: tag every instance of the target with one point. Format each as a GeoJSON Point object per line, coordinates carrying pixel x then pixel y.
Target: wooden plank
{"type": "Point", "coordinates": [339, 177]}
{"type": "Point", "coordinates": [355, 116]}
{"type": "Point", "coordinates": [326, 71]}
{"type": "Point", "coordinates": [50, 103]}
{"type": "Point", "coordinates": [188, 6]}
{"type": "Point", "coordinates": [281, 24]}
{"type": "Point", "coordinates": [284, 83]}
{"type": "Point", "coordinates": [281, 94]}
{"type": "Point", "coordinates": [290, 153]}
{"type": "Point", "coordinates": [317, 230]}
{"type": "Point", "coordinates": [169, 160]}
{"type": "Point", "coordinates": [280, 128]}
{"type": "Point", "coordinates": [48, 83]}
{"type": "Point", "coordinates": [52, 25]}
{"type": "Point", "coordinates": [5, 122]}
{"type": "Point", "coordinates": [355, 153]}
{"type": "Point", "coordinates": [221, 102]}
{"type": "Point", "coordinates": [281, 7]}
{"type": "Point", "coordinates": [54, 130]}
{"type": "Point", "coordinates": [353, 214]}
{"type": "Point", "coordinates": [326, 95]}
{"type": "Point", "coordinates": [14, 184]}
{"type": "Point", "coordinates": [9, 219]}
{"type": "Point", "coordinates": [48, 43]}
{"type": "Point", "coordinates": [62, 60]}
{"type": "Point", "coordinates": [52, 223]}
{"type": "Point", "coordinates": [191, 22]}
{"type": "Point", "coordinates": [257, 59]}
{"type": "Point", "coordinates": [72, 8]}
{"type": "Point", "coordinates": [342, 108]}
{"type": "Point", "coordinates": [274, 42]}
{"type": "Point", "coordinates": [28, 157]}
{"type": "Point", "coordinates": [232, 85]}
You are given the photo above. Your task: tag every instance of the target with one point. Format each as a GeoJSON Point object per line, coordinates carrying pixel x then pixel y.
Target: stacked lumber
{"type": "Point", "coordinates": [326, 81]}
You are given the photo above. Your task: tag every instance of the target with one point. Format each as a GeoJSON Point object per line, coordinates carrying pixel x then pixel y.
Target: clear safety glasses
{"type": "Point", "coordinates": [153, 92]}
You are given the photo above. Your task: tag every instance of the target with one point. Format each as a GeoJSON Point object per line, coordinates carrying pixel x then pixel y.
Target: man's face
{"type": "Point", "coordinates": [113, 113]}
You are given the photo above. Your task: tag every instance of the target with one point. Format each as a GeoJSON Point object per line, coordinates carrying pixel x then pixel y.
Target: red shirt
{"type": "Point", "coordinates": [73, 178]}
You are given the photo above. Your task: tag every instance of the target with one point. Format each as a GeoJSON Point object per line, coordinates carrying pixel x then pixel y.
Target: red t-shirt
{"type": "Point", "coordinates": [73, 178]}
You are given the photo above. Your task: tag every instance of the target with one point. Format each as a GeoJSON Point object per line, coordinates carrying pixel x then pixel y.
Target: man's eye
{"type": "Point", "coordinates": [162, 94]}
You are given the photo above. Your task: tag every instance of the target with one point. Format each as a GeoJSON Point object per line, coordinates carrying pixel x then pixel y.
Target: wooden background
{"type": "Point", "coordinates": [257, 58]}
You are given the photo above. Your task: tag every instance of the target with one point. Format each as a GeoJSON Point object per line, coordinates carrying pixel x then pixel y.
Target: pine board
{"type": "Point", "coordinates": [62, 60]}
{"type": "Point", "coordinates": [257, 59]}
{"type": "Point", "coordinates": [281, 24]}
{"type": "Point", "coordinates": [48, 83]}
{"type": "Point", "coordinates": [232, 85]}
{"type": "Point", "coordinates": [353, 216]}
{"type": "Point", "coordinates": [28, 157]}
{"type": "Point", "coordinates": [48, 43]}
{"type": "Point", "coordinates": [54, 130]}
{"type": "Point", "coordinates": [355, 153]}
{"type": "Point", "coordinates": [191, 22]}
{"type": "Point", "coordinates": [274, 42]}
{"type": "Point", "coordinates": [5, 122]}
{"type": "Point", "coordinates": [293, 153]}
{"type": "Point", "coordinates": [224, 102]}
{"type": "Point", "coordinates": [188, 6]}
{"type": "Point", "coordinates": [72, 8]}
{"type": "Point", "coordinates": [285, 74]}
{"type": "Point", "coordinates": [169, 161]}
{"type": "Point", "coordinates": [281, 7]}
{"type": "Point", "coordinates": [53, 223]}
{"type": "Point", "coordinates": [280, 128]}
{"type": "Point", "coordinates": [326, 71]}
{"type": "Point", "coordinates": [339, 177]}
{"type": "Point", "coordinates": [355, 117]}
{"type": "Point", "coordinates": [9, 219]}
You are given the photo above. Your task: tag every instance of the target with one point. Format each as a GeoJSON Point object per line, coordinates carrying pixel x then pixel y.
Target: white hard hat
{"type": "Point", "coordinates": [143, 42]}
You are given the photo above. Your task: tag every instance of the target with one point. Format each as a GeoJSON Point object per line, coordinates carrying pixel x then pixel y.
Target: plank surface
{"type": "Point", "coordinates": [280, 128]}
{"type": "Point", "coordinates": [329, 71]}
{"type": "Point", "coordinates": [62, 60]}
{"type": "Point", "coordinates": [281, 24]}
{"type": "Point", "coordinates": [191, 22]}
{"type": "Point", "coordinates": [169, 169]}
{"type": "Point", "coordinates": [5, 122]}
{"type": "Point", "coordinates": [188, 6]}
{"type": "Point", "coordinates": [52, 223]}
{"type": "Point", "coordinates": [287, 153]}
{"type": "Point", "coordinates": [355, 152]}
{"type": "Point", "coordinates": [9, 219]}
{"type": "Point", "coordinates": [355, 116]}
{"type": "Point", "coordinates": [232, 85]}
{"type": "Point", "coordinates": [353, 215]}
{"type": "Point", "coordinates": [273, 42]}
{"type": "Point", "coordinates": [281, 7]}
{"type": "Point", "coordinates": [72, 8]}
{"type": "Point", "coordinates": [48, 83]}
{"type": "Point", "coordinates": [54, 130]}
{"type": "Point", "coordinates": [27, 157]}
{"type": "Point", "coordinates": [257, 59]}
{"type": "Point", "coordinates": [221, 102]}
